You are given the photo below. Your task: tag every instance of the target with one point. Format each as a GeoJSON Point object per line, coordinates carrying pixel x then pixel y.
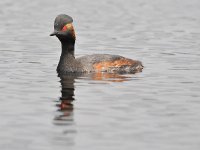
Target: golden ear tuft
{"type": "Point", "coordinates": [69, 27]}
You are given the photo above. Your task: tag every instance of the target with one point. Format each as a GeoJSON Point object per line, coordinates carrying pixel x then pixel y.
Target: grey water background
{"type": "Point", "coordinates": [156, 109]}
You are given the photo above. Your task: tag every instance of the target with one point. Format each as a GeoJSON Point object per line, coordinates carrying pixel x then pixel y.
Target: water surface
{"type": "Point", "coordinates": [155, 109]}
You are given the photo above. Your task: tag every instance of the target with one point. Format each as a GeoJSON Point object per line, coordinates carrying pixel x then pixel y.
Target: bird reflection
{"type": "Point", "coordinates": [65, 103]}
{"type": "Point", "coordinates": [109, 77]}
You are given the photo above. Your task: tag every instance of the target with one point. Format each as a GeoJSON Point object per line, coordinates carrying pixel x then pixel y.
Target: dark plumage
{"type": "Point", "coordinates": [64, 30]}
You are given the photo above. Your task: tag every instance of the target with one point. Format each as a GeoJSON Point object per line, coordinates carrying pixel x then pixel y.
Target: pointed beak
{"type": "Point", "coordinates": [54, 33]}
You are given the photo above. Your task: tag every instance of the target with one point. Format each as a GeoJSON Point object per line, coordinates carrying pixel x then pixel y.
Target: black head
{"type": "Point", "coordinates": [63, 28]}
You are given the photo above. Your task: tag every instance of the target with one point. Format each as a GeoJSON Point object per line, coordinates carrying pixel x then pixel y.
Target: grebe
{"type": "Point", "coordinates": [64, 31]}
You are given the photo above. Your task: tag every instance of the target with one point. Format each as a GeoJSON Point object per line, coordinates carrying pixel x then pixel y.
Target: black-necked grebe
{"type": "Point", "coordinates": [64, 31]}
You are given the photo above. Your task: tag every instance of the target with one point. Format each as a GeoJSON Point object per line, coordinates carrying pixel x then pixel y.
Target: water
{"type": "Point", "coordinates": [155, 109]}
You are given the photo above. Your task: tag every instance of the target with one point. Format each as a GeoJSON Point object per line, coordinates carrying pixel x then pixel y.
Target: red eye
{"type": "Point", "coordinates": [64, 28]}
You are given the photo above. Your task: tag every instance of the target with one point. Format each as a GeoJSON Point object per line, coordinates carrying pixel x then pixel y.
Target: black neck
{"type": "Point", "coordinates": [67, 61]}
{"type": "Point", "coordinates": [67, 48]}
